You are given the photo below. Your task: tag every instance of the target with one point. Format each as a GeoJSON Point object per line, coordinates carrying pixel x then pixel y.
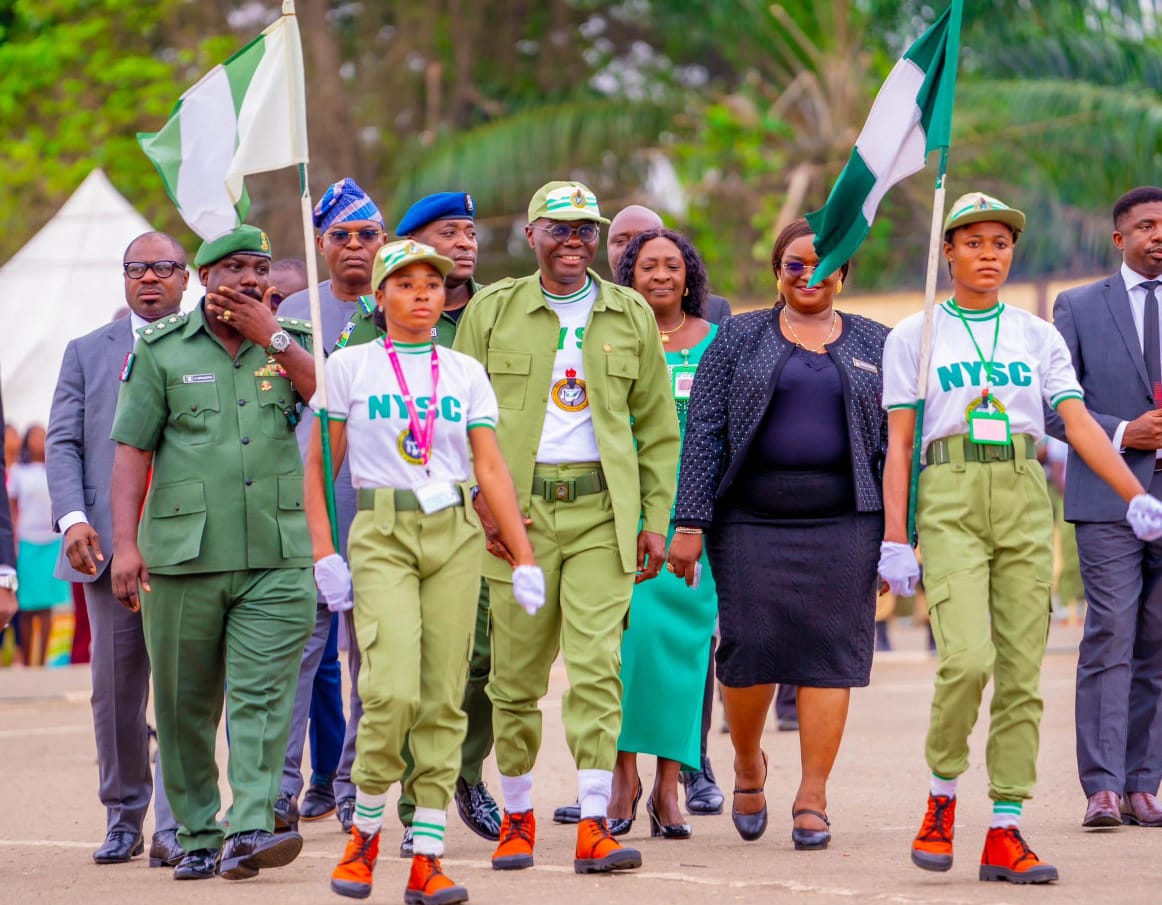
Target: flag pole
{"type": "Point", "coordinates": [935, 243]}
{"type": "Point", "coordinates": [317, 347]}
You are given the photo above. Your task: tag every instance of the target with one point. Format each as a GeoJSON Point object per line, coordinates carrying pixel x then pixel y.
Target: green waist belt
{"type": "Point", "coordinates": [405, 500]}
{"type": "Point", "coordinates": [565, 491]}
{"type": "Point", "coordinates": [940, 451]}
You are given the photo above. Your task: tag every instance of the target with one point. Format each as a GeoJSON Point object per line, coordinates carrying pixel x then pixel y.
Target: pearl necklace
{"type": "Point", "coordinates": [800, 343]}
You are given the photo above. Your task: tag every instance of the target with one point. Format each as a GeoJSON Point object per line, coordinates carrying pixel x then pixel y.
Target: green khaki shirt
{"type": "Point", "coordinates": [512, 331]}
{"type": "Point", "coordinates": [227, 486]}
{"type": "Point", "coordinates": [363, 329]}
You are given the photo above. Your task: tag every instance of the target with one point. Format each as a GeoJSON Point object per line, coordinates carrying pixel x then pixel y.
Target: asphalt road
{"type": "Point", "coordinates": [51, 820]}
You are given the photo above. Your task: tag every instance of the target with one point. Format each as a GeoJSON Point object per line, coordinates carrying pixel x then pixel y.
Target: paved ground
{"type": "Point", "coordinates": [50, 819]}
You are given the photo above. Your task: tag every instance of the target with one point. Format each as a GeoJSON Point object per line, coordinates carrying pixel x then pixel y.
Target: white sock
{"type": "Point", "coordinates": [517, 792]}
{"type": "Point", "coordinates": [369, 811]}
{"type": "Point", "coordinates": [1006, 814]}
{"type": "Point", "coordinates": [428, 831]}
{"type": "Point", "coordinates": [594, 787]}
{"type": "Point", "coordinates": [942, 786]}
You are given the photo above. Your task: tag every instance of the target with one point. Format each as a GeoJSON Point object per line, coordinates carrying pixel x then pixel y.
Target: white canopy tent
{"type": "Point", "coordinates": [63, 283]}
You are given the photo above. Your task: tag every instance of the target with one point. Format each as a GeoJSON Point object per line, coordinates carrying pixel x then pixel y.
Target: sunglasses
{"type": "Point", "coordinates": [796, 268]}
{"type": "Point", "coordinates": [563, 232]}
{"type": "Point", "coordinates": [135, 270]}
{"type": "Point", "coordinates": [367, 236]}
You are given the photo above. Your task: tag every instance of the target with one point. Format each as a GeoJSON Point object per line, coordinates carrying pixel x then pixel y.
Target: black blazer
{"type": "Point", "coordinates": [733, 387]}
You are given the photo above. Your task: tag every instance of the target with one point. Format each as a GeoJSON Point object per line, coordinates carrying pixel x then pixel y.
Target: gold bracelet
{"type": "Point", "coordinates": [683, 529]}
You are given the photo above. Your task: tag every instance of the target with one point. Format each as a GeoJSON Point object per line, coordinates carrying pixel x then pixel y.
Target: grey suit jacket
{"type": "Point", "coordinates": [717, 309]}
{"type": "Point", "coordinates": [1107, 354]}
{"type": "Point", "coordinates": [78, 450]}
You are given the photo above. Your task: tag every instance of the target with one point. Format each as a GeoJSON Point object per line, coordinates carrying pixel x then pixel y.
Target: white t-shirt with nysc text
{"type": "Point", "coordinates": [567, 435]}
{"type": "Point", "coordinates": [363, 391]}
{"type": "Point", "coordinates": [1031, 365]}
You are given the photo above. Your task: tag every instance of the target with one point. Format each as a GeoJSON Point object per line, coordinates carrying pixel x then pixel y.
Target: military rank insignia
{"type": "Point", "coordinates": [127, 366]}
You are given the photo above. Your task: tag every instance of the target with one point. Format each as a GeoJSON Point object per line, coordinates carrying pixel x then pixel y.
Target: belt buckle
{"type": "Point", "coordinates": [562, 491]}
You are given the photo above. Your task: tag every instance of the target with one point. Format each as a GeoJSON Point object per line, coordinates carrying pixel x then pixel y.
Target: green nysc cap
{"type": "Point", "coordinates": [394, 255]}
{"type": "Point", "coordinates": [977, 207]}
{"type": "Point", "coordinates": [565, 201]}
{"type": "Point", "coordinates": [243, 239]}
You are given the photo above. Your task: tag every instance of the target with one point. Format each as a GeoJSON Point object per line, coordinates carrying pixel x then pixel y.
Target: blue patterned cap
{"type": "Point", "coordinates": [441, 206]}
{"type": "Point", "coordinates": [344, 202]}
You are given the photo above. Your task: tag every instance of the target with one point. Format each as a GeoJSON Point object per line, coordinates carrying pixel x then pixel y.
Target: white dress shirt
{"type": "Point", "coordinates": [1137, 293]}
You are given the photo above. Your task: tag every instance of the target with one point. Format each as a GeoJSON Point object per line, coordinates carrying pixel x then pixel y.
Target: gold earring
{"type": "Point", "coordinates": [685, 292]}
{"type": "Point", "coordinates": [778, 285]}
{"type": "Point", "coordinates": [838, 286]}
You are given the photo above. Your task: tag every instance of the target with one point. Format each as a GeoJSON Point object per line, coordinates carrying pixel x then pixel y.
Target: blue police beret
{"type": "Point", "coordinates": [441, 206]}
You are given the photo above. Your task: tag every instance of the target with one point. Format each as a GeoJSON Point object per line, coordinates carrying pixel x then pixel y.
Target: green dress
{"type": "Point", "coordinates": [666, 649]}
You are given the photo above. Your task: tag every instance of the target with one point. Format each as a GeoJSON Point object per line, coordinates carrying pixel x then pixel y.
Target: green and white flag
{"type": "Point", "coordinates": [911, 116]}
{"type": "Point", "coordinates": [245, 116]}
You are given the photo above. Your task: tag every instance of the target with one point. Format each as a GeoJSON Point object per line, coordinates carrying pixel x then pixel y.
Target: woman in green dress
{"type": "Point", "coordinates": [666, 649]}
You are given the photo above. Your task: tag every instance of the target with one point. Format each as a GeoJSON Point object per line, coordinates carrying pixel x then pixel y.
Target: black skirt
{"type": "Point", "coordinates": [796, 592]}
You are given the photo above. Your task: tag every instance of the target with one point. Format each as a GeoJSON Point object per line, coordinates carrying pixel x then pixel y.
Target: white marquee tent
{"type": "Point", "coordinates": [65, 282]}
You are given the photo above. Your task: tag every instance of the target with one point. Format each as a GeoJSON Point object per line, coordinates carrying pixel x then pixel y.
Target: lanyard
{"type": "Point", "coordinates": [987, 365]}
{"type": "Point", "coordinates": [423, 432]}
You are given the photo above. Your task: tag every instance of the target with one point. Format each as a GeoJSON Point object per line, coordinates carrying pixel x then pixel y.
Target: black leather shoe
{"type": "Point", "coordinates": [164, 850]}
{"type": "Point", "coordinates": [245, 854]}
{"type": "Point", "coordinates": [197, 865]}
{"type": "Point", "coordinates": [407, 848]}
{"type": "Point", "coordinates": [119, 847]}
{"type": "Point", "coordinates": [318, 802]}
{"type": "Point", "coordinates": [810, 840]}
{"type": "Point", "coordinates": [619, 826]}
{"type": "Point", "coordinates": [702, 793]}
{"type": "Point", "coordinates": [345, 812]}
{"type": "Point", "coordinates": [751, 826]}
{"type": "Point", "coordinates": [477, 809]}
{"type": "Point", "coordinates": [568, 813]}
{"type": "Point", "coordinates": [286, 814]}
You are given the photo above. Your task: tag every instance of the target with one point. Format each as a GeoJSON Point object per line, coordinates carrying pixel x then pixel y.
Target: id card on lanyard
{"type": "Point", "coordinates": [988, 423]}
{"type": "Point", "coordinates": [432, 495]}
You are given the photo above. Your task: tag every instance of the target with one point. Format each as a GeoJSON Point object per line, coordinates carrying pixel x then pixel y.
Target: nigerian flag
{"type": "Point", "coordinates": [245, 116]}
{"type": "Point", "coordinates": [911, 116]}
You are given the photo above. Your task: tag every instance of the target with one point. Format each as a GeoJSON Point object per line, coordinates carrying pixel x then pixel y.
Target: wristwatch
{"type": "Point", "coordinates": [279, 342]}
{"type": "Point", "coordinates": [8, 582]}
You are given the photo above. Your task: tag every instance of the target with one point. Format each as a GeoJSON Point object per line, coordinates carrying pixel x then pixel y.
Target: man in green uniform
{"type": "Point", "coordinates": [221, 551]}
{"type": "Point", "coordinates": [588, 428]}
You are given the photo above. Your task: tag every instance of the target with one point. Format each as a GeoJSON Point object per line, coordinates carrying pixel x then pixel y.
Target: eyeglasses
{"type": "Point", "coordinates": [563, 232]}
{"type": "Point", "coordinates": [797, 268]}
{"type": "Point", "coordinates": [367, 236]}
{"type": "Point", "coordinates": [135, 270]}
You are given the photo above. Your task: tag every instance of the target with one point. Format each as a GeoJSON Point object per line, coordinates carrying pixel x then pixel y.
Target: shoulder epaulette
{"type": "Point", "coordinates": [294, 325]}
{"type": "Point", "coordinates": [163, 326]}
{"type": "Point", "coordinates": [493, 288]}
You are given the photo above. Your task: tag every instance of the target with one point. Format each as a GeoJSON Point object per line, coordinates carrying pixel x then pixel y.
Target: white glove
{"type": "Point", "coordinates": [1145, 517]}
{"type": "Point", "coordinates": [334, 581]}
{"type": "Point", "coordinates": [898, 567]}
{"type": "Point", "coordinates": [528, 586]}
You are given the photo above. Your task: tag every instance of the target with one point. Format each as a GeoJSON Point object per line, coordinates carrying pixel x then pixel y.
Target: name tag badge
{"type": "Point", "coordinates": [865, 365]}
{"type": "Point", "coordinates": [681, 380]}
{"type": "Point", "coordinates": [436, 495]}
{"type": "Point", "coordinates": [989, 427]}
{"type": "Point", "coordinates": [198, 378]}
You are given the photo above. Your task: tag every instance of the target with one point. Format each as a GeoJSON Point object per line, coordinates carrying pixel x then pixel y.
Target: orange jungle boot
{"type": "Point", "coordinates": [429, 885]}
{"type": "Point", "coordinates": [1007, 856]}
{"type": "Point", "coordinates": [353, 875]}
{"type": "Point", "coordinates": [598, 851]}
{"type": "Point", "coordinates": [932, 847]}
{"type": "Point", "coordinates": [518, 834]}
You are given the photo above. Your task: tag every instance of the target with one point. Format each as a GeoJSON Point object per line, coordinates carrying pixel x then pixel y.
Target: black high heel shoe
{"type": "Point", "coordinates": [751, 826]}
{"type": "Point", "coordinates": [810, 840]}
{"type": "Point", "coordinates": [665, 830]}
{"type": "Point", "coordinates": [619, 826]}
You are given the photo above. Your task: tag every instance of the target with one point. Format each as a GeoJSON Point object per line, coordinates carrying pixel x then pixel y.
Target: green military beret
{"type": "Point", "coordinates": [243, 239]}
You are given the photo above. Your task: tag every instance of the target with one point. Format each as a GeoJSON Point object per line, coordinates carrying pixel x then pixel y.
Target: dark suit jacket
{"type": "Point", "coordinates": [733, 386]}
{"type": "Point", "coordinates": [717, 309]}
{"type": "Point", "coordinates": [78, 450]}
{"type": "Point", "coordinates": [1107, 354]}
{"type": "Point", "coordinates": [7, 543]}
